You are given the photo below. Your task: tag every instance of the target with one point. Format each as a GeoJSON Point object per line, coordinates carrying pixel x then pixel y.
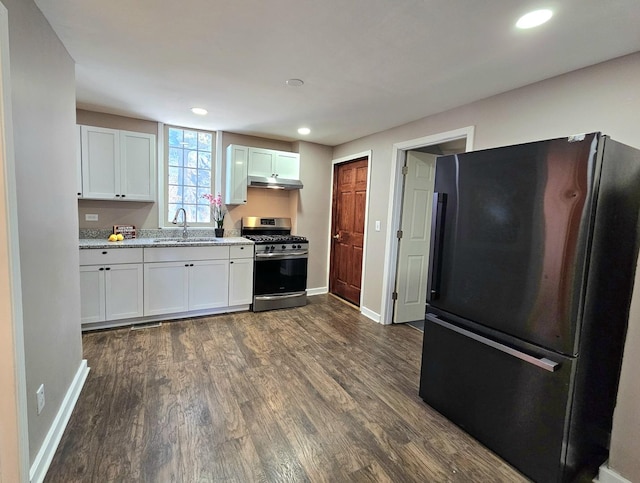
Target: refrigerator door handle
{"type": "Point", "coordinates": [437, 237]}
{"type": "Point", "coordinates": [543, 363]}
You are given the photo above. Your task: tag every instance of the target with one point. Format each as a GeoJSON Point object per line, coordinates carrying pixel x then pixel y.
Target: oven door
{"type": "Point", "coordinates": [280, 281]}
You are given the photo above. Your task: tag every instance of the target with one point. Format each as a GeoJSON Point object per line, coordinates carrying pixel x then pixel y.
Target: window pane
{"type": "Point", "coordinates": [204, 179]}
{"type": "Point", "coordinates": [204, 160]}
{"type": "Point", "coordinates": [175, 137]}
{"type": "Point", "coordinates": [175, 176]}
{"type": "Point", "coordinates": [191, 213]}
{"type": "Point", "coordinates": [192, 159]}
{"type": "Point", "coordinates": [175, 194]}
{"type": "Point", "coordinates": [189, 194]}
{"type": "Point", "coordinates": [190, 177]}
{"type": "Point", "coordinates": [204, 141]}
{"type": "Point", "coordinates": [204, 214]}
{"type": "Point", "coordinates": [202, 191]}
{"type": "Point", "coordinates": [175, 156]}
{"type": "Point", "coordinates": [190, 139]}
{"type": "Point", "coordinates": [172, 212]}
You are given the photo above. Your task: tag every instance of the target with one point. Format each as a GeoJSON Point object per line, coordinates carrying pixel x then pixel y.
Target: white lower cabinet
{"type": "Point", "coordinates": [241, 275]}
{"type": "Point", "coordinates": [196, 278]}
{"type": "Point", "coordinates": [208, 284]}
{"type": "Point", "coordinates": [126, 283]}
{"type": "Point", "coordinates": [111, 292]}
{"type": "Point", "coordinates": [166, 288]}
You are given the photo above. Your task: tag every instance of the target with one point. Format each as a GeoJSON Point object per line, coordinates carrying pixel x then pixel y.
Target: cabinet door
{"type": "Point", "coordinates": [137, 166]}
{"type": "Point", "coordinates": [165, 288]}
{"type": "Point", "coordinates": [100, 151]}
{"type": "Point", "coordinates": [287, 165]}
{"type": "Point", "coordinates": [208, 284]}
{"type": "Point", "coordinates": [92, 294]}
{"type": "Point", "coordinates": [240, 281]}
{"type": "Point", "coordinates": [261, 162]}
{"type": "Point", "coordinates": [237, 159]}
{"type": "Point", "coordinates": [123, 288]}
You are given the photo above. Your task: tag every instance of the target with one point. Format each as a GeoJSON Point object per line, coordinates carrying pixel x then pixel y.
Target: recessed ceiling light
{"type": "Point", "coordinates": [304, 131]}
{"type": "Point", "coordinates": [533, 19]}
{"type": "Point", "coordinates": [199, 111]}
{"type": "Point", "coordinates": [294, 82]}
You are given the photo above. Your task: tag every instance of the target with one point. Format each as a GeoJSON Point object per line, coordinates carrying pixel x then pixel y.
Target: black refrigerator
{"type": "Point", "coordinates": [533, 256]}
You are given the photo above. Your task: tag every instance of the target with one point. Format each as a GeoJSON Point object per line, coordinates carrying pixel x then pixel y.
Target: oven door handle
{"type": "Point", "coordinates": [280, 297]}
{"type": "Point", "coordinates": [283, 255]}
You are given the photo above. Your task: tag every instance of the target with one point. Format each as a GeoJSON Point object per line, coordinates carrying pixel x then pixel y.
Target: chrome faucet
{"type": "Point", "coordinates": [184, 225]}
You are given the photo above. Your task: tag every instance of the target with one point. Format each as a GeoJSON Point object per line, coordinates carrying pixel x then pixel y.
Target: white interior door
{"type": "Point", "coordinates": [413, 251]}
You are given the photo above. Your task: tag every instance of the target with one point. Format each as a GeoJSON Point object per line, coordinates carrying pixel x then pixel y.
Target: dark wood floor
{"type": "Point", "coordinates": [318, 393]}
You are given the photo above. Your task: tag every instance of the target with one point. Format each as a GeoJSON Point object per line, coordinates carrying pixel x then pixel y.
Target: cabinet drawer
{"type": "Point", "coordinates": [102, 256]}
{"type": "Point", "coordinates": [241, 251]}
{"type": "Point", "coordinates": [179, 254]}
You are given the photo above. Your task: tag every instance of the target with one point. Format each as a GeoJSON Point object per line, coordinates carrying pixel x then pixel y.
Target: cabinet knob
{"type": "Point", "coordinates": [104, 253]}
{"type": "Point", "coordinates": [123, 196]}
{"type": "Point", "coordinates": [117, 196]}
{"type": "Point", "coordinates": [101, 269]}
{"type": "Point", "coordinates": [231, 261]}
{"type": "Point", "coordinates": [108, 268]}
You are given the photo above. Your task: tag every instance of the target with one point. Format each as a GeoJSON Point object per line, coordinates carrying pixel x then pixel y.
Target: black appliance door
{"type": "Point", "coordinates": [280, 276]}
{"type": "Point", "coordinates": [510, 227]}
{"type": "Point", "coordinates": [512, 400]}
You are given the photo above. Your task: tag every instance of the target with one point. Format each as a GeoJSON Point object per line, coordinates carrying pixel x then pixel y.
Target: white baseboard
{"type": "Point", "coordinates": [48, 449]}
{"type": "Point", "coordinates": [370, 314]}
{"type": "Point", "coordinates": [607, 475]}
{"type": "Point", "coordinates": [317, 290]}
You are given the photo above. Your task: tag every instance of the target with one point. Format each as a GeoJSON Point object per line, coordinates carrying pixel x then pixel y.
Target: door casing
{"type": "Point", "coordinates": [395, 204]}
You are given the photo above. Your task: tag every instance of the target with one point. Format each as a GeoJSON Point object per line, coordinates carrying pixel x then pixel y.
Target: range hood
{"type": "Point", "coordinates": [273, 183]}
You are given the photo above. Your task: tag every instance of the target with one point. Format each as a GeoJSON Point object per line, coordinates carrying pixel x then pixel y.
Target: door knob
{"type": "Point", "coordinates": [336, 236]}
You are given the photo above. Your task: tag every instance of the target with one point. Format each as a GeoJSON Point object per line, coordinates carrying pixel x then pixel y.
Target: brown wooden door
{"type": "Point", "coordinates": [347, 229]}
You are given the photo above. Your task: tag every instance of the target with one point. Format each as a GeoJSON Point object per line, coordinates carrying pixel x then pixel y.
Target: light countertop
{"type": "Point", "coordinates": [166, 242]}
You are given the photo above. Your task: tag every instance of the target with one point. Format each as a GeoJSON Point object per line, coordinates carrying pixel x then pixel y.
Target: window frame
{"type": "Point", "coordinates": [164, 216]}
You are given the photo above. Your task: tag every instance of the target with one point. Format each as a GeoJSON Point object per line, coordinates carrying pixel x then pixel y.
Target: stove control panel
{"type": "Point", "coordinates": [282, 248]}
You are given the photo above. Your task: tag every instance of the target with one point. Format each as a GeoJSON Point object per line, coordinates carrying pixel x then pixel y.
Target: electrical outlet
{"type": "Point", "coordinates": [90, 217]}
{"type": "Point", "coordinates": [40, 398]}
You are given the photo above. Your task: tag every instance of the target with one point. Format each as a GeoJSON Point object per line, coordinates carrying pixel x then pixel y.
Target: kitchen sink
{"type": "Point", "coordinates": [195, 239]}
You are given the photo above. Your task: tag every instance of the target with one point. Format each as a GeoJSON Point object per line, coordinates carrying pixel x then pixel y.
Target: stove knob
{"type": "Point", "coordinates": [284, 247]}
{"type": "Point", "coordinates": [299, 246]}
{"type": "Point", "coordinates": [272, 247]}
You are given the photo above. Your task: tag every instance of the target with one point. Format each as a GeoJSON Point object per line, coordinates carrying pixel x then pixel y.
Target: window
{"type": "Point", "coordinates": [189, 173]}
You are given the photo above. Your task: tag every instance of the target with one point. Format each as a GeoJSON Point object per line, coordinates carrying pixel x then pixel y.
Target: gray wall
{"type": "Point", "coordinates": [43, 96]}
{"type": "Point", "coordinates": [604, 97]}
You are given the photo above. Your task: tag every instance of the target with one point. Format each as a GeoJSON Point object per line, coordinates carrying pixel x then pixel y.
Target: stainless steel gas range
{"type": "Point", "coordinates": [280, 263]}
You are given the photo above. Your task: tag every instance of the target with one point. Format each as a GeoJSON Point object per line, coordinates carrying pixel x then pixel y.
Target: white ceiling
{"type": "Point", "coordinates": [368, 65]}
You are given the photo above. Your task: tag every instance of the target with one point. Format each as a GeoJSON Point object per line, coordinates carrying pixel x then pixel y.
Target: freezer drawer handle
{"type": "Point", "coordinates": [543, 363]}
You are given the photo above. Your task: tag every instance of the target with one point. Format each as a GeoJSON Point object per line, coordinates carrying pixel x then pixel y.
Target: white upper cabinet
{"type": "Point", "coordinates": [78, 162]}
{"type": "Point", "coordinates": [236, 187]}
{"type": "Point", "coordinates": [137, 166]}
{"type": "Point", "coordinates": [273, 164]}
{"type": "Point", "coordinates": [117, 165]}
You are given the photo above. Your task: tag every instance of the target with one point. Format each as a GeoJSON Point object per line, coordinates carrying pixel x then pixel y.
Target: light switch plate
{"type": "Point", "coordinates": [377, 225]}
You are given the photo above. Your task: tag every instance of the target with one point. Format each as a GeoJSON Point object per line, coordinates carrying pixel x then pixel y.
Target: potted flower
{"type": "Point", "coordinates": [217, 212]}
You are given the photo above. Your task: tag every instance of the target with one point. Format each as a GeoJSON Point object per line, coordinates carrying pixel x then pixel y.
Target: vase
{"type": "Point", "coordinates": [219, 232]}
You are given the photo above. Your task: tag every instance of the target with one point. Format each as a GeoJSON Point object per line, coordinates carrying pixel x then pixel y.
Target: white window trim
{"type": "Point", "coordinates": [163, 181]}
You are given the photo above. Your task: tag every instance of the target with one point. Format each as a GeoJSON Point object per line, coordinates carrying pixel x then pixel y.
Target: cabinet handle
{"type": "Point", "coordinates": [104, 253]}
{"type": "Point", "coordinates": [191, 265]}
{"type": "Point", "coordinates": [186, 264]}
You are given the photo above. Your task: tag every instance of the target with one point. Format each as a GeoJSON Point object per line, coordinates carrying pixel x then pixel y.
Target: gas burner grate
{"type": "Point", "coordinates": [276, 238]}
